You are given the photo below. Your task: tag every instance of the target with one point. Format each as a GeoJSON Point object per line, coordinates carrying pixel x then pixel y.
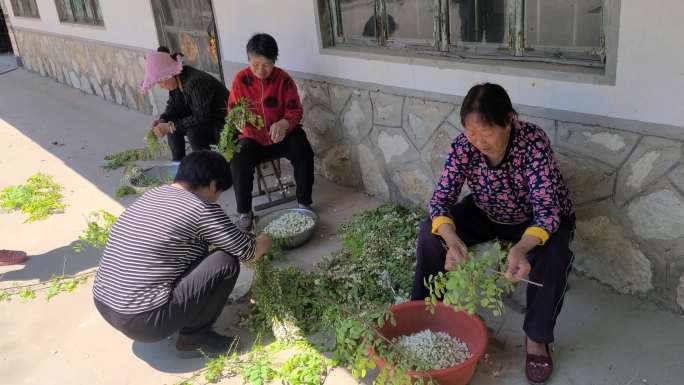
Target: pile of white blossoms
{"type": "Point", "coordinates": [288, 225]}
{"type": "Point", "coordinates": [433, 350]}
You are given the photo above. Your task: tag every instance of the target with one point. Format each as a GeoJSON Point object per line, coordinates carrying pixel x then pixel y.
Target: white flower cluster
{"type": "Point", "coordinates": [436, 349]}
{"type": "Point", "coordinates": [289, 225]}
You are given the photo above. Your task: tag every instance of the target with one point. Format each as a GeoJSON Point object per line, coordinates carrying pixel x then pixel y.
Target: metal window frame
{"type": "Point", "coordinates": [20, 8]}
{"type": "Point", "coordinates": [514, 48]}
{"type": "Point", "coordinates": [91, 9]}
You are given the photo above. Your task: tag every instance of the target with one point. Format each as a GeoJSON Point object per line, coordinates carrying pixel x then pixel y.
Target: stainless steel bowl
{"type": "Point", "coordinates": [295, 240]}
{"type": "Point", "coordinates": [164, 172]}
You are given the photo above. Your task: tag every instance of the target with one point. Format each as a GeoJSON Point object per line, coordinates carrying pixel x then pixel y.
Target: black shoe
{"type": "Point", "coordinates": [208, 343]}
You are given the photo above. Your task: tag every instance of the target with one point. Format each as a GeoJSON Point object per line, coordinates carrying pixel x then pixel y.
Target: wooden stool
{"type": "Point", "coordinates": [271, 169]}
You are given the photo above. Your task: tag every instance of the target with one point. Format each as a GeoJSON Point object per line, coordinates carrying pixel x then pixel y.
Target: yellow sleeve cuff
{"type": "Point", "coordinates": [534, 231]}
{"type": "Point", "coordinates": [438, 221]}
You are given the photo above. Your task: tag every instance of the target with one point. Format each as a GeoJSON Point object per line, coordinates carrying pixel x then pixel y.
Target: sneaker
{"type": "Point", "coordinates": [245, 222]}
{"type": "Point", "coordinates": [207, 343]}
{"type": "Point", "coordinates": [306, 207]}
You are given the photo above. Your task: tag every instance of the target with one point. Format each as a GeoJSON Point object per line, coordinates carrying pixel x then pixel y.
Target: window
{"type": "Point", "coordinates": [79, 11]}
{"type": "Point", "coordinates": [25, 8]}
{"type": "Point", "coordinates": [557, 31]}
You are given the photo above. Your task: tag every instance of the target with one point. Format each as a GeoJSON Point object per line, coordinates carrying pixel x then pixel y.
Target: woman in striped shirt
{"type": "Point", "coordinates": [157, 275]}
{"type": "Point", "coordinates": [518, 195]}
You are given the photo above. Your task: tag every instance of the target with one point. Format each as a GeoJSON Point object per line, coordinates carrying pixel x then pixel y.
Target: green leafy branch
{"type": "Point", "coordinates": [238, 117]}
{"type": "Point", "coordinates": [39, 198]}
{"type": "Point", "coordinates": [472, 283]}
{"type": "Point", "coordinates": [99, 224]}
{"type": "Point", "coordinates": [56, 285]}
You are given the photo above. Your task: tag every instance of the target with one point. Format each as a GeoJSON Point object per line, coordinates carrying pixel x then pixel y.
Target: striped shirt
{"type": "Point", "coordinates": [154, 242]}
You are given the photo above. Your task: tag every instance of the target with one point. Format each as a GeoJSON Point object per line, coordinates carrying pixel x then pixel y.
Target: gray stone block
{"type": "Point", "coordinates": [387, 109]}
{"type": "Point", "coordinates": [680, 293]}
{"type": "Point", "coordinates": [455, 119]}
{"type": "Point", "coordinates": [395, 148]}
{"type": "Point", "coordinates": [677, 177]}
{"type": "Point", "coordinates": [414, 185]}
{"type": "Point", "coordinates": [604, 252]}
{"type": "Point", "coordinates": [609, 146]}
{"type": "Point", "coordinates": [436, 151]}
{"type": "Point", "coordinates": [85, 85]}
{"type": "Point", "coordinates": [357, 116]}
{"type": "Point", "coordinates": [548, 125]}
{"type": "Point", "coordinates": [422, 118]}
{"type": "Point", "coordinates": [587, 180]}
{"type": "Point", "coordinates": [652, 158]}
{"type": "Point", "coordinates": [320, 124]}
{"type": "Point", "coordinates": [75, 82]}
{"type": "Point", "coordinates": [339, 95]}
{"type": "Point", "coordinates": [313, 92]}
{"type": "Point", "coordinates": [658, 215]}
{"type": "Point", "coordinates": [373, 180]}
{"type": "Point", "coordinates": [336, 165]}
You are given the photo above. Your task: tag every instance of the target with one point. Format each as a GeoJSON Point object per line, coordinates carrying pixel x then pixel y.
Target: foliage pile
{"type": "Point", "coordinates": [39, 198]}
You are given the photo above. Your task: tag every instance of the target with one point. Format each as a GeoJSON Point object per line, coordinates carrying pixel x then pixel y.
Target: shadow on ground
{"type": "Point", "coordinates": [63, 260]}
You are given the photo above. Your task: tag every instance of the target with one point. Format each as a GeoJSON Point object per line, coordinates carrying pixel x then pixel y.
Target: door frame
{"type": "Point", "coordinates": [219, 55]}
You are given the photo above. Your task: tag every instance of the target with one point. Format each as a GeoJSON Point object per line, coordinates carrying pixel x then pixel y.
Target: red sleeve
{"type": "Point", "coordinates": [293, 105]}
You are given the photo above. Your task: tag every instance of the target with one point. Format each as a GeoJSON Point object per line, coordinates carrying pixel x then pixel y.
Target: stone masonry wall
{"type": "Point", "coordinates": [110, 72]}
{"type": "Point", "coordinates": [627, 188]}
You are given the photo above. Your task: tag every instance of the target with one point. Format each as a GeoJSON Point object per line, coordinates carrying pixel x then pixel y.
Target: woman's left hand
{"type": "Point", "coordinates": [278, 130]}
{"type": "Point", "coordinates": [161, 129]}
{"type": "Point", "coordinates": [518, 266]}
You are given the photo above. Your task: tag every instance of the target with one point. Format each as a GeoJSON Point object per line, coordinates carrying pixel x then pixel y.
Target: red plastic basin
{"type": "Point", "coordinates": [413, 317]}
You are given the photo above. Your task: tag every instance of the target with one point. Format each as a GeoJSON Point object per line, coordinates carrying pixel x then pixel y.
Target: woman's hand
{"type": "Point", "coordinates": [263, 245]}
{"type": "Point", "coordinates": [518, 266]}
{"type": "Point", "coordinates": [161, 129]}
{"type": "Point", "coordinates": [457, 251]}
{"type": "Point", "coordinates": [278, 130]}
{"type": "Point", "coordinates": [157, 121]}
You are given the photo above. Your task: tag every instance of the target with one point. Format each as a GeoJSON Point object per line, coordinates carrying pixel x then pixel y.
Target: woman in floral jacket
{"type": "Point", "coordinates": [518, 195]}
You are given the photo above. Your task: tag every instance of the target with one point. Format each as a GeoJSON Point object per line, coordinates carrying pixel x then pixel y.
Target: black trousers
{"type": "Point", "coordinates": [295, 148]}
{"type": "Point", "coordinates": [551, 263]}
{"type": "Point", "coordinates": [200, 139]}
{"type": "Point", "coordinates": [196, 302]}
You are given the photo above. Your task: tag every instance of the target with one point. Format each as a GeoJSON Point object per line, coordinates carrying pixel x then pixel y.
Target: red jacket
{"type": "Point", "coordinates": [273, 99]}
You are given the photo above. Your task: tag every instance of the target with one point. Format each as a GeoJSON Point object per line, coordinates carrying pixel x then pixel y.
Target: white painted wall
{"type": "Point", "coordinates": [126, 22]}
{"type": "Point", "coordinates": [650, 75]}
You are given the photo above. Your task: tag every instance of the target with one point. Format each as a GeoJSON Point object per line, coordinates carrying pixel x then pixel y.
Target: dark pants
{"type": "Point", "coordinates": [200, 139]}
{"type": "Point", "coordinates": [295, 148]}
{"type": "Point", "coordinates": [551, 263]}
{"type": "Point", "coordinates": [195, 303]}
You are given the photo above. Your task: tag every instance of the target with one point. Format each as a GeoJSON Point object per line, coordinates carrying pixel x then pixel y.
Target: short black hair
{"type": "Point", "coordinates": [264, 45]}
{"type": "Point", "coordinates": [491, 102]}
{"type": "Point", "coordinates": [199, 168]}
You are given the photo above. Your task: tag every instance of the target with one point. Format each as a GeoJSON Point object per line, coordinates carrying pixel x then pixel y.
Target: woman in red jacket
{"type": "Point", "coordinates": [273, 96]}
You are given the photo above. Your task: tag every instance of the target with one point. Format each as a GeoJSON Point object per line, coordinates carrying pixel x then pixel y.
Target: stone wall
{"type": "Point", "coordinates": [627, 187]}
{"type": "Point", "coordinates": [96, 68]}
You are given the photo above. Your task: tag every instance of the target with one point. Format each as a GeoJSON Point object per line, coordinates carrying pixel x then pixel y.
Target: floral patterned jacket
{"type": "Point", "coordinates": [526, 187]}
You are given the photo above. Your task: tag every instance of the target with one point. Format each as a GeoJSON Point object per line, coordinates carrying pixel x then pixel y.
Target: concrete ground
{"type": "Point", "coordinates": [602, 337]}
{"type": "Point", "coordinates": [7, 63]}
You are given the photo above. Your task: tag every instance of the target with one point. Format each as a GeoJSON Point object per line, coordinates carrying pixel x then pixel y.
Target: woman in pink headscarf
{"type": "Point", "coordinates": [196, 106]}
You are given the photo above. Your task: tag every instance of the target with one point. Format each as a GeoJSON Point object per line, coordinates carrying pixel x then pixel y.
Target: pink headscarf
{"type": "Point", "coordinates": [159, 66]}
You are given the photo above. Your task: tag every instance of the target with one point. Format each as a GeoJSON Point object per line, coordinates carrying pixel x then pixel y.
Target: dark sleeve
{"type": "Point", "coordinates": [217, 229]}
{"type": "Point", "coordinates": [175, 108]}
{"type": "Point", "coordinates": [451, 181]}
{"type": "Point", "coordinates": [198, 98]}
